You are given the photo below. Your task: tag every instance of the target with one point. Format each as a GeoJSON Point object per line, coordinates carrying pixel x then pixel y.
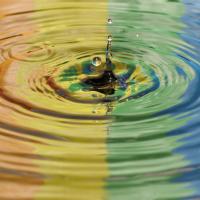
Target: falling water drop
{"type": "Point", "coordinates": [96, 61]}
{"type": "Point", "coordinates": [109, 38]}
{"type": "Point", "coordinates": [109, 21]}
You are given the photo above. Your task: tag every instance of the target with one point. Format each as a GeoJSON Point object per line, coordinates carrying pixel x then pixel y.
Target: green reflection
{"type": "Point", "coordinates": [141, 158]}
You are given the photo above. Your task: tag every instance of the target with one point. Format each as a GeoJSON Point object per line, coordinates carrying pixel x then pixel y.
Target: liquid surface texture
{"type": "Point", "coordinates": [81, 121]}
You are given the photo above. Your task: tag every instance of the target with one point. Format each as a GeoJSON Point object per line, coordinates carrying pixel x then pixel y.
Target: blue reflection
{"type": "Point", "coordinates": [190, 105]}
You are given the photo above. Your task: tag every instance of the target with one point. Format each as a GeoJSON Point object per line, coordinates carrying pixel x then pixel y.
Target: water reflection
{"type": "Point", "coordinates": [61, 140]}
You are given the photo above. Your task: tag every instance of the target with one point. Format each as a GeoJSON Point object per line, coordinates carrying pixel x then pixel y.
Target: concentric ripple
{"type": "Point", "coordinates": [29, 52]}
{"type": "Point", "coordinates": [61, 137]}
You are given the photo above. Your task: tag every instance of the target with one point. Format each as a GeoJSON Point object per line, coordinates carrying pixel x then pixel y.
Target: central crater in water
{"type": "Point", "coordinates": [89, 83]}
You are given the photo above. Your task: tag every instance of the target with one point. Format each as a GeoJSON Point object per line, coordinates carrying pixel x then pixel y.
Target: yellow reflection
{"type": "Point", "coordinates": [73, 164]}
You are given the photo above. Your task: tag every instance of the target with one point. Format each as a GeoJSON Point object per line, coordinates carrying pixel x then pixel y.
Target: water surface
{"type": "Point", "coordinates": [61, 140]}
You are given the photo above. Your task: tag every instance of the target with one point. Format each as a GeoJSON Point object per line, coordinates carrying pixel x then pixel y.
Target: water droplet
{"type": "Point", "coordinates": [96, 61]}
{"type": "Point", "coordinates": [109, 38]}
{"type": "Point", "coordinates": [137, 35]}
{"type": "Point", "coordinates": [109, 21]}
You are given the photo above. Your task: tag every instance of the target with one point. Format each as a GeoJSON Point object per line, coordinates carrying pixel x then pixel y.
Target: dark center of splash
{"type": "Point", "coordinates": [105, 83]}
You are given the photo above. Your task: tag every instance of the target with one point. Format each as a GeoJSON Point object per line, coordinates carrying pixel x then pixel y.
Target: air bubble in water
{"type": "Point", "coordinates": [109, 21]}
{"type": "Point", "coordinates": [96, 61]}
